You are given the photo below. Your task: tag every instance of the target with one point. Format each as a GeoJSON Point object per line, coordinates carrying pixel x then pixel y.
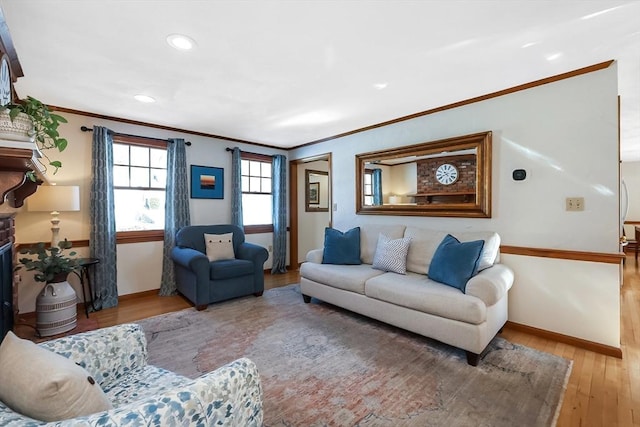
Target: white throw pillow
{"type": "Point", "coordinates": [219, 246]}
{"type": "Point", "coordinates": [491, 250]}
{"type": "Point", "coordinates": [391, 255]}
{"type": "Point", "coordinates": [44, 385]}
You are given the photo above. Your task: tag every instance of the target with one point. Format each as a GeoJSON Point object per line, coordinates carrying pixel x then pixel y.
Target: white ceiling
{"type": "Point", "coordinates": [284, 73]}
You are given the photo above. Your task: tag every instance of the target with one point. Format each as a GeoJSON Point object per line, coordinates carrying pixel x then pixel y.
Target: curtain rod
{"type": "Point", "coordinates": [249, 152]}
{"type": "Point", "coordinates": [88, 129]}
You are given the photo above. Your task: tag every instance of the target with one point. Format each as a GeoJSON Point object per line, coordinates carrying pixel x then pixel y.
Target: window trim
{"type": "Point", "coordinates": [139, 236]}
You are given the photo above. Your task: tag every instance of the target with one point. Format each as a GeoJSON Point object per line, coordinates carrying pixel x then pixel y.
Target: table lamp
{"type": "Point", "coordinates": [55, 199]}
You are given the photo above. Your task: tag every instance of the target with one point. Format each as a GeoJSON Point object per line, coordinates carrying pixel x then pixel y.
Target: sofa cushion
{"type": "Point", "coordinates": [491, 249]}
{"type": "Point", "coordinates": [219, 246]}
{"type": "Point", "coordinates": [143, 383]}
{"type": "Point", "coordinates": [454, 263]}
{"type": "Point", "coordinates": [229, 268]}
{"type": "Point", "coordinates": [417, 292]}
{"type": "Point", "coordinates": [347, 277]}
{"type": "Point", "coordinates": [369, 238]}
{"type": "Point", "coordinates": [424, 243]}
{"type": "Point", "coordinates": [44, 385]}
{"type": "Point", "coordinates": [391, 254]}
{"type": "Point", "coordinates": [341, 248]}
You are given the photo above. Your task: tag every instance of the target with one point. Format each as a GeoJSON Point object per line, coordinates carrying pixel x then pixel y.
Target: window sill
{"type": "Point", "coordinates": [124, 237]}
{"type": "Point", "coordinates": [258, 229]}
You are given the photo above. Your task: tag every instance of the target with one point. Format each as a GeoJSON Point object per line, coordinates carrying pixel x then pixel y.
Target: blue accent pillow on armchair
{"type": "Point", "coordinates": [454, 263]}
{"type": "Point", "coordinates": [341, 248]}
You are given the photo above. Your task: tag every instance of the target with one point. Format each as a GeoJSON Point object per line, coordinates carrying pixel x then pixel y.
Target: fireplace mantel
{"type": "Point", "coordinates": [16, 159]}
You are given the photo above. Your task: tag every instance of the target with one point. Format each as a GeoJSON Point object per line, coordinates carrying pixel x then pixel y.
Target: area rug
{"type": "Point", "coordinates": [324, 366]}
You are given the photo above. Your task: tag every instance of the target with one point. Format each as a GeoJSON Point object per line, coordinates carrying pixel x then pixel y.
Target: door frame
{"type": "Point", "coordinates": [293, 202]}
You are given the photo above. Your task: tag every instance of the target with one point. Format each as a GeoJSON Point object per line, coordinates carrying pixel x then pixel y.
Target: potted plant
{"type": "Point", "coordinates": [51, 264]}
{"type": "Point", "coordinates": [56, 305]}
{"type": "Point", "coordinates": [44, 126]}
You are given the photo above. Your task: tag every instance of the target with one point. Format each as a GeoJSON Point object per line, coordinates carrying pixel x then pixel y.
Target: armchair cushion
{"type": "Point", "coordinates": [44, 385]}
{"type": "Point", "coordinates": [219, 246]}
{"type": "Point", "coordinates": [228, 268]}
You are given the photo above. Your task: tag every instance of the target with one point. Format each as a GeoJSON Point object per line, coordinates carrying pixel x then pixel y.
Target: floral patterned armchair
{"type": "Point", "coordinates": [143, 394]}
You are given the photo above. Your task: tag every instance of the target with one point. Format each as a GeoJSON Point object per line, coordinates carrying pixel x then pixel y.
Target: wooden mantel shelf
{"type": "Point", "coordinates": [450, 193]}
{"type": "Point", "coordinates": [14, 165]}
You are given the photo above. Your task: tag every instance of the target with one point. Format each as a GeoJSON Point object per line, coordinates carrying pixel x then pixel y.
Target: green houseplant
{"type": "Point", "coordinates": [45, 126]}
{"type": "Point", "coordinates": [51, 264]}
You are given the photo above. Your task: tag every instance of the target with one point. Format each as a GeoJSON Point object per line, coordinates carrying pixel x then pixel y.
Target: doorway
{"type": "Point", "coordinates": [310, 205]}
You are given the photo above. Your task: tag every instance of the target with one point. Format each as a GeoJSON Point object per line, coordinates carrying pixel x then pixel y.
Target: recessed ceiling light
{"type": "Point", "coordinates": [380, 86]}
{"type": "Point", "coordinates": [144, 98]}
{"type": "Point", "coordinates": [180, 42]}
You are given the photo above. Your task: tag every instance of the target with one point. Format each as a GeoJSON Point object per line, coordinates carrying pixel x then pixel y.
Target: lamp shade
{"type": "Point", "coordinates": [50, 198]}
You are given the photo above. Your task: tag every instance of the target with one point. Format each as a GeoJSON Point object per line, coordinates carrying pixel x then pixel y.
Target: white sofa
{"type": "Point", "coordinates": [468, 320]}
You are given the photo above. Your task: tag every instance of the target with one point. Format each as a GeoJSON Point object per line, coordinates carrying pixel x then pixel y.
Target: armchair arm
{"type": "Point", "coordinates": [229, 396]}
{"type": "Point", "coordinates": [190, 259]}
{"type": "Point", "coordinates": [252, 252]}
{"type": "Point", "coordinates": [105, 353]}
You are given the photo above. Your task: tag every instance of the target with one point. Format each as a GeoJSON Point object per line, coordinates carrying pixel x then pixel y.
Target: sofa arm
{"type": "Point", "coordinates": [315, 256]}
{"type": "Point", "coordinates": [229, 396]}
{"type": "Point", "coordinates": [491, 284]}
{"type": "Point", "coordinates": [105, 353]}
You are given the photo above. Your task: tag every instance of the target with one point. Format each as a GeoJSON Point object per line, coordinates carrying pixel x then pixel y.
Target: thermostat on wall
{"type": "Point", "coordinates": [519, 174]}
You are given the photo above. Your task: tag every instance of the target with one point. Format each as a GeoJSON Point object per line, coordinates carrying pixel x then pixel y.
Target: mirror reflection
{"type": "Point", "coordinates": [442, 178]}
{"type": "Point", "coordinates": [317, 191]}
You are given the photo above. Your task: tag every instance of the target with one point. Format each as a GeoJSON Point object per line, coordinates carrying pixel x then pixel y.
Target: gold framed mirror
{"type": "Point", "coordinates": [449, 177]}
{"type": "Point", "coordinates": [316, 191]}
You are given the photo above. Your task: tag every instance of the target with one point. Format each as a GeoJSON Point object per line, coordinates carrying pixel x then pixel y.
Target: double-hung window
{"type": "Point", "coordinates": [368, 188]}
{"type": "Point", "coordinates": [257, 208]}
{"type": "Point", "coordinates": [139, 181]}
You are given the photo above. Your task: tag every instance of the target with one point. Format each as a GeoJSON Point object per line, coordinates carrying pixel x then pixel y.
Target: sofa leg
{"type": "Point", "coordinates": [306, 298]}
{"type": "Point", "coordinates": [201, 307]}
{"type": "Point", "coordinates": [258, 294]}
{"type": "Point", "coordinates": [472, 358]}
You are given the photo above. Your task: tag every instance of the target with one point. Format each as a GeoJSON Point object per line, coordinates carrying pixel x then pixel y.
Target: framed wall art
{"type": "Point", "coordinates": [314, 193]}
{"type": "Point", "coordinates": [207, 182]}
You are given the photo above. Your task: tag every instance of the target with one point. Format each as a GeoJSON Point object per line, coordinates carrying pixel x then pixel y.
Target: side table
{"type": "Point", "coordinates": [83, 274]}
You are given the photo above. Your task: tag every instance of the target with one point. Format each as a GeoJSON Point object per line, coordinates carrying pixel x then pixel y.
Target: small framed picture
{"type": "Point", "coordinates": [314, 193]}
{"type": "Point", "coordinates": [207, 182]}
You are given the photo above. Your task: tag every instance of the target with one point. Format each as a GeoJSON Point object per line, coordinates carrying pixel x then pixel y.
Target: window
{"type": "Point", "coordinates": [139, 181]}
{"type": "Point", "coordinates": [368, 188]}
{"type": "Point", "coordinates": [256, 192]}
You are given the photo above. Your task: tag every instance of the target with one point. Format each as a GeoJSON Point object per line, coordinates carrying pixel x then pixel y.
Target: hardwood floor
{"type": "Point", "coordinates": [602, 390]}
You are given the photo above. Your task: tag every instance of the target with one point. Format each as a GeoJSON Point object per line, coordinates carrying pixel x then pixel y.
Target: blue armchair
{"type": "Point", "coordinates": [204, 282]}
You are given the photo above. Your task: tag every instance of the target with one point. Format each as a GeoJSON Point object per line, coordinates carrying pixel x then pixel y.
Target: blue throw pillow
{"type": "Point", "coordinates": [454, 263]}
{"type": "Point", "coordinates": [341, 248]}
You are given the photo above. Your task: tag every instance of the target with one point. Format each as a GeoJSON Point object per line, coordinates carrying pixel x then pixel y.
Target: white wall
{"type": "Point", "coordinates": [564, 134]}
{"type": "Point", "coordinates": [139, 264]}
{"type": "Point", "coordinates": [404, 180]}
